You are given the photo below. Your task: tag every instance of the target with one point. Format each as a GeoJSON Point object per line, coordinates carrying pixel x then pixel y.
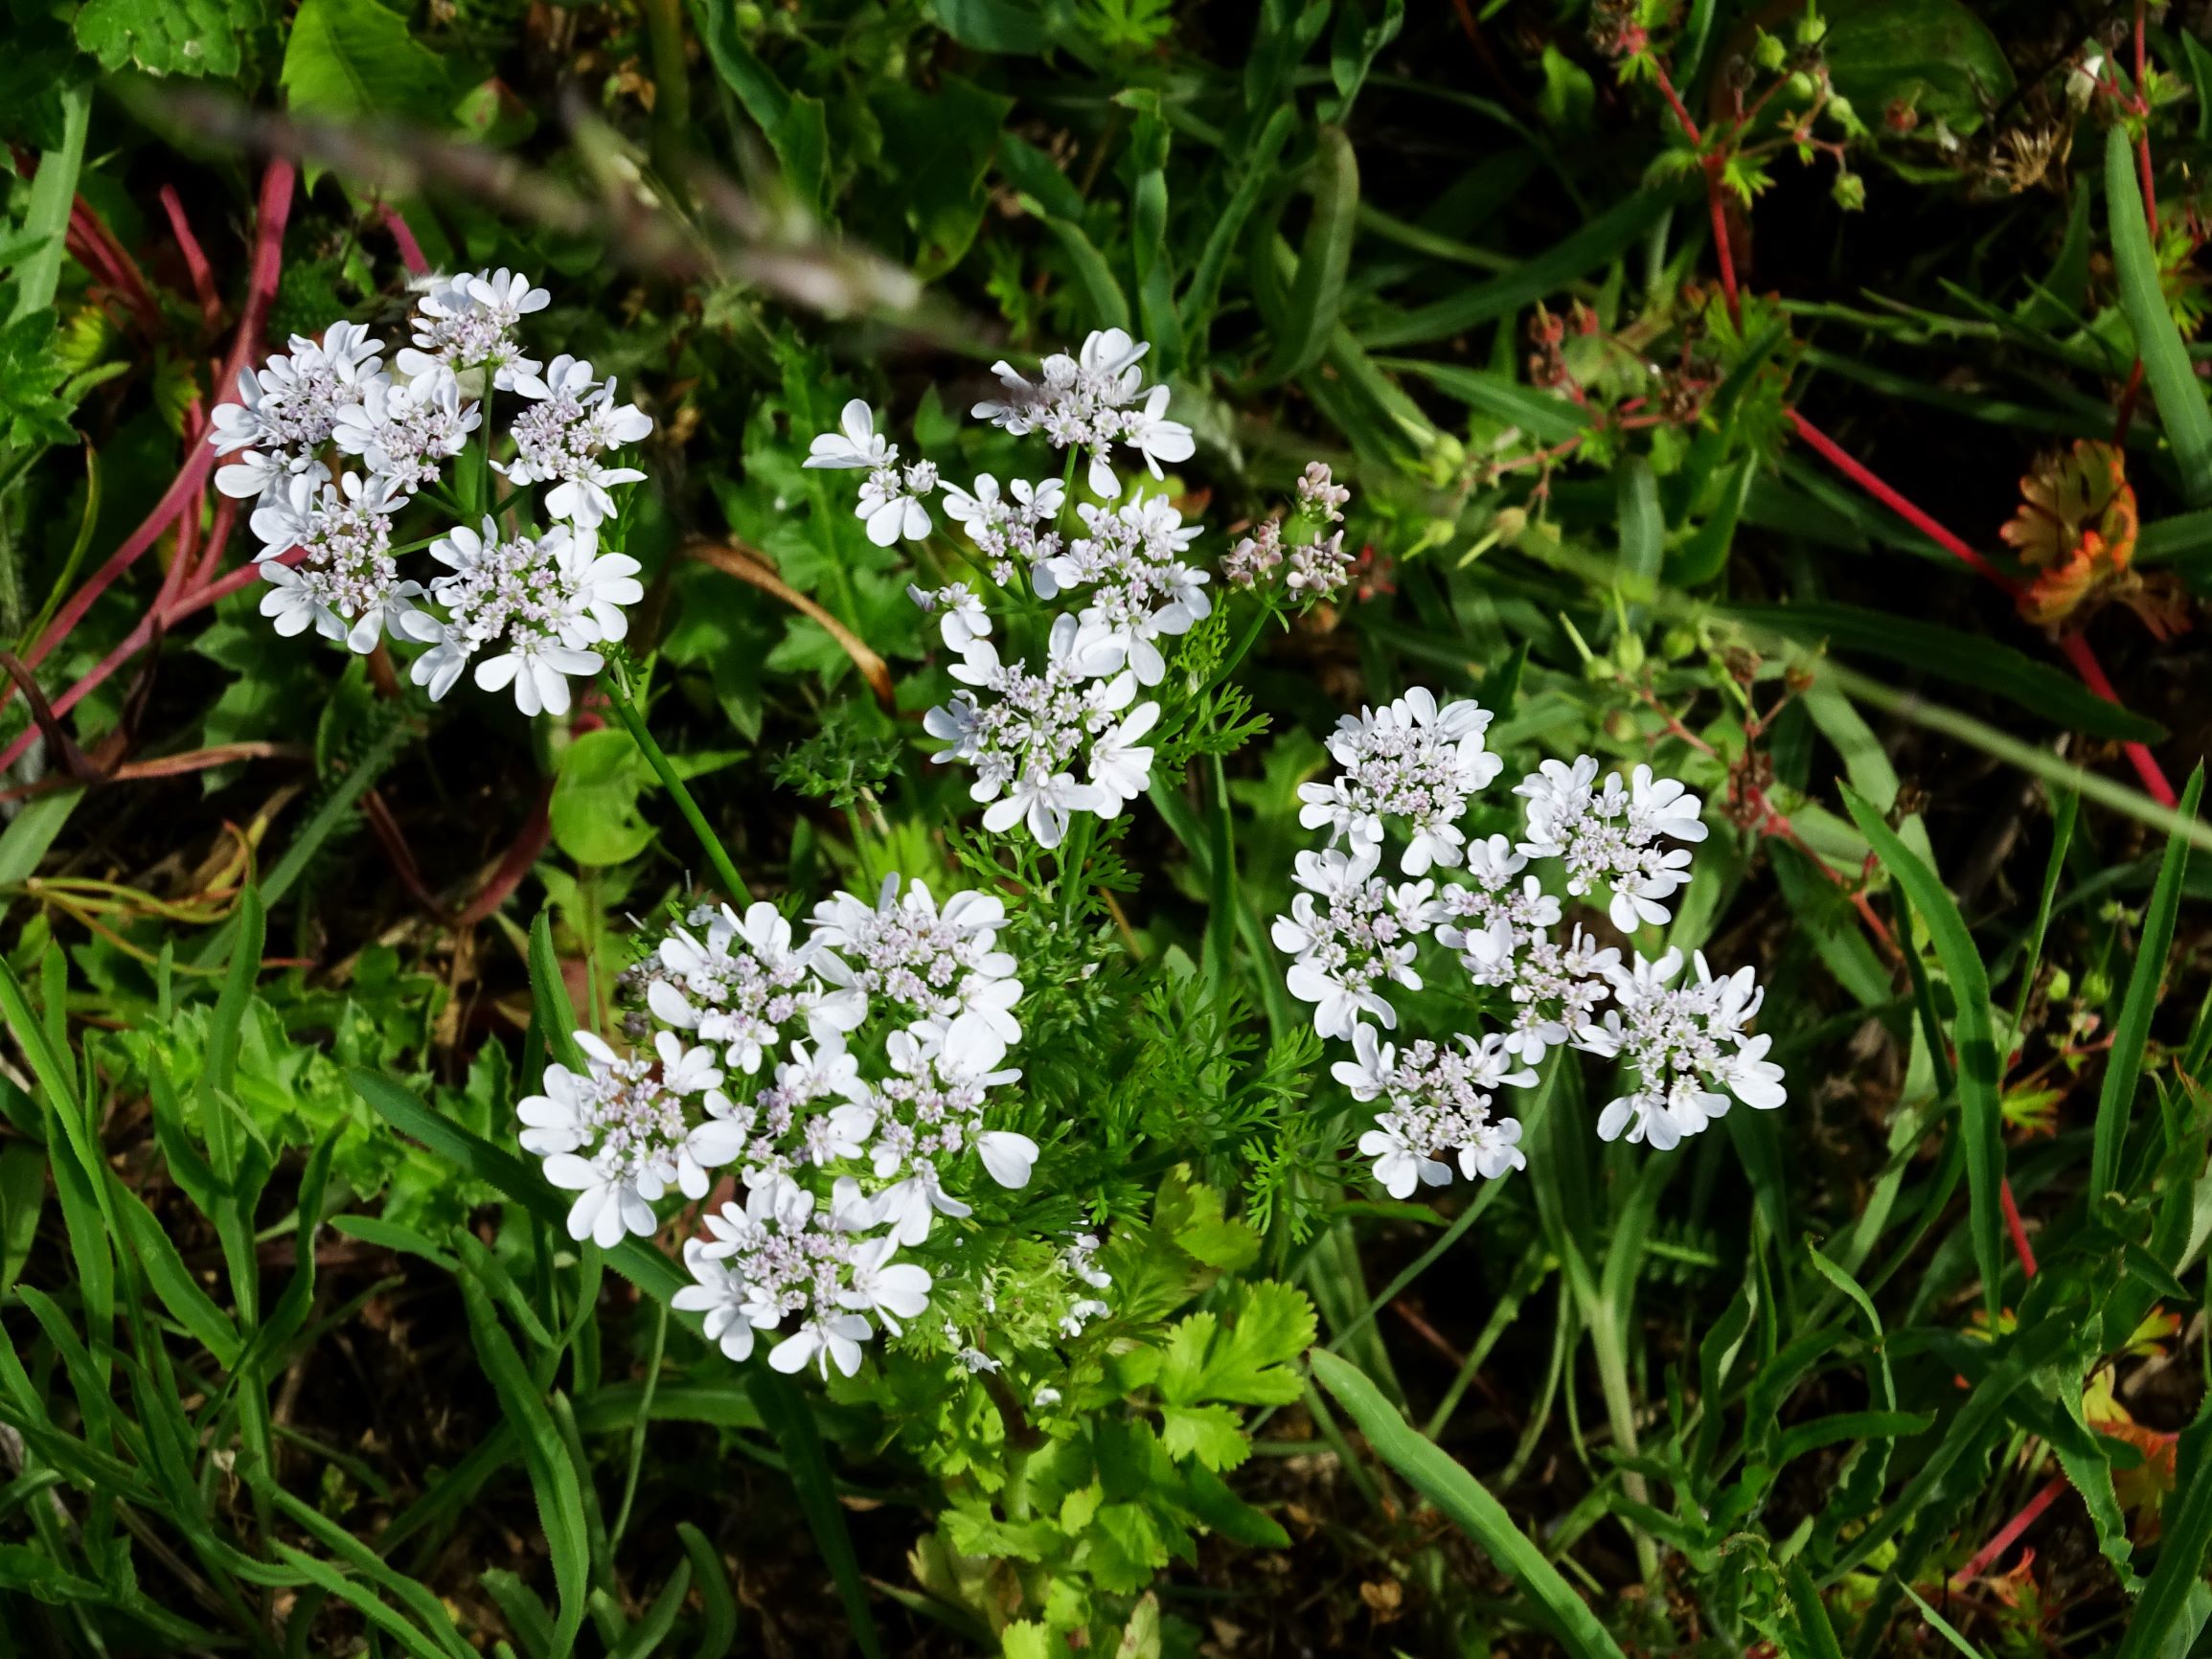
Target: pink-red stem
{"type": "Point", "coordinates": [2008, 1533]}
{"type": "Point", "coordinates": [410, 250]}
{"type": "Point", "coordinates": [178, 598]}
{"type": "Point", "coordinates": [195, 259]}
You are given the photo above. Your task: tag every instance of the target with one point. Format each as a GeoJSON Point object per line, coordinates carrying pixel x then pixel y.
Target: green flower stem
{"type": "Point", "coordinates": [1074, 851]}
{"type": "Point", "coordinates": [626, 710]}
{"type": "Point", "coordinates": [1242, 648]}
{"type": "Point", "coordinates": [1222, 916]}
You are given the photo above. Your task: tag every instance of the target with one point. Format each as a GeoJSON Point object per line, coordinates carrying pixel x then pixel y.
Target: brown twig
{"type": "Point", "coordinates": [749, 567]}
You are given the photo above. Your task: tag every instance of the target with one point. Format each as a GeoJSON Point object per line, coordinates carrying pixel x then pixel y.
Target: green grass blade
{"type": "Point", "coordinates": [1546, 418]}
{"type": "Point", "coordinates": [1603, 240]}
{"type": "Point", "coordinates": [172, 1280]}
{"type": "Point", "coordinates": [719, 1607]}
{"type": "Point", "coordinates": [363, 1599]}
{"type": "Point", "coordinates": [552, 1474]}
{"type": "Point", "coordinates": [1961, 658]}
{"type": "Point", "coordinates": [1643, 534]}
{"type": "Point", "coordinates": [2166, 369]}
{"type": "Point", "coordinates": [549, 995]}
{"type": "Point", "coordinates": [790, 1420]}
{"type": "Point", "coordinates": [2184, 1541]}
{"type": "Point", "coordinates": [2124, 1063]}
{"type": "Point", "coordinates": [1980, 1120]}
{"type": "Point", "coordinates": [1461, 1498]}
{"type": "Point", "coordinates": [1317, 293]}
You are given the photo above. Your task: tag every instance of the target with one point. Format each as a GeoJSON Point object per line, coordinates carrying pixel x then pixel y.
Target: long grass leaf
{"type": "Point", "coordinates": [2124, 1061]}
{"type": "Point", "coordinates": [1317, 293]}
{"type": "Point", "coordinates": [1961, 658]}
{"type": "Point", "coordinates": [1464, 1500]}
{"type": "Point", "coordinates": [717, 1607]}
{"type": "Point", "coordinates": [1980, 1117]}
{"type": "Point", "coordinates": [2166, 368]}
{"type": "Point", "coordinates": [1603, 240]}
{"type": "Point", "coordinates": [553, 1477]}
{"type": "Point", "coordinates": [2185, 1539]}
{"type": "Point", "coordinates": [790, 1420]}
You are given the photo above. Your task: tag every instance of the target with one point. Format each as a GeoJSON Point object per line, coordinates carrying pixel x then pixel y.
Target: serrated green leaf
{"type": "Point", "coordinates": [1245, 1359]}
{"type": "Point", "coordinates": [189, 37]}
{"type": "Point", "coordinates": [355, 61]}
{"type": "Point", "coordinates": [1208, 1433]}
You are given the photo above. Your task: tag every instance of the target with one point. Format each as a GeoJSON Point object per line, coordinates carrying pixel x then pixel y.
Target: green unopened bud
{"type": "Point", "coordinates": [1812, 28]}
{"type": "Point", "coordinates": [1769, 53]}
{"type": "Point", "coordinates": [1798, 88]}
{"type": "Point", "coordinates": [1840, 112]}
{"type": "Point", "coordinates": [1628, 652]}
{"type": "Point", "coordinates": [2096, 988]}
{"type": "Point", "coordinates": [1849, 190]}
{"type": "Point", "coordinates": [747, 17]}
{"type": "Point", "coordinates": [2062, 984]}
{"type": "Point", "coordinates": [1678, 643]}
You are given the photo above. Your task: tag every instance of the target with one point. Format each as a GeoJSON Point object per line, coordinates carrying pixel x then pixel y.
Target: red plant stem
{"type": "Point", "coordinates": [1674, 102]}
{"type": "Point", "coordinates": [410, 250]}
{"type": "Point", "coordinates": [2092, 673]}
{"type": "Point", "coordinates": [2019, 1233]}
{"type": "Point", "coordinates": [95, 247]}
{"type": "Point", "coordinates": [2124, 417]}
{"type": "Point", "coordinates": [2076, 648]}
{"type": "Point", "coordinates": [275, 206]}
{"type": "Point", "coordinates": [182, 490]}
{"type": "Point", "coordinates": [195, 261]}
{"type": "Point", "coordinates": [1717, 204]}
{"type": "Point", "coordinates": [520, 858]}
{"type": "Point", "coordinates": [1844, 462]}
{"type": "Point", "coordinates": [162, 618]}
{"type": "Point", "coordinates": [2008, 1533]}
{"type": "Point", "coordinates": [2143, 138]}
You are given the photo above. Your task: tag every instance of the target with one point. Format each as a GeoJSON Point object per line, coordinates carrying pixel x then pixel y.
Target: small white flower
{"type": "Point", "coordinates": [1681, 1041]}
{"type": "Point", "coordinates": [1607, 836]}
{"type": "Point", "coordinates": [1007, 1157]}
{"type": "Point", "coordinates": [965, 620]}
{"type": "Point", "coordinates": [719, 1294]}
{"type": "Point", "coordinates": [891, 1290]}
{"type": "Point", "coordinates": [406, 433]}
{"type": "Point", "coordinates": [1351, 933]}
{"type": "Point", "coordinates": [573, 422]}
{"type": "Point", "coordinates": [855, 443]}
{"type": "Point", "coordinates": [467, 324]}
{"type": "Point", "coordinates": [824, 1340]}
{"type": "Point", "coordinates": [1410, 759]}
{"type": "Point", "coordinates": [1120, 767]}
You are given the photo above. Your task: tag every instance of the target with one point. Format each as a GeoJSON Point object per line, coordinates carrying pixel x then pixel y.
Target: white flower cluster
{"type": "Point", "coordinates": [844, 1080]}
{"type": "Point", "coordinates": [1068, 736]}
{"type": "Point", "coordinates": [1065, 737]}
{"type": "Point", "coordinates": [1413, 767]}
{"type": "Point", "coordinates": [525, 607]}
{"type": "Point", "coordinates": [1140, 587]}
{"type": "Point", "coordinates": [1025, 731]}
{"type": "Point", "coordinates": [1091, 402]}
